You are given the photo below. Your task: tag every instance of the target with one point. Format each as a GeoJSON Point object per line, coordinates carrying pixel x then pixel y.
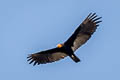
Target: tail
{"type": "Point", "coordinates": [75, 58]}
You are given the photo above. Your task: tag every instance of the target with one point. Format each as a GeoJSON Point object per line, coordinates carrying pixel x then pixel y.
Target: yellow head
{"type": "Point", "coordinates": [60, 45]}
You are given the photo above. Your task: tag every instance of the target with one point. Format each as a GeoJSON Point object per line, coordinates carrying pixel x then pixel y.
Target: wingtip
{"type": "Point", "coordinates": [97, 19]}
{"type": "Point", "coordinates": [29, 59]}
{"type": "Point", "coordinates": [98, 22]}
{"type": "Point", "coordinates": [92, 15]}
{"type": "Point", "coordinates": [89, 15]}
{"type": "Point", "coordinates": [34, 63]}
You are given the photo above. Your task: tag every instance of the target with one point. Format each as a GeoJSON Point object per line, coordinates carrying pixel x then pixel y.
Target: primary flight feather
{"type": "Point", "coordinates": [78, 38]}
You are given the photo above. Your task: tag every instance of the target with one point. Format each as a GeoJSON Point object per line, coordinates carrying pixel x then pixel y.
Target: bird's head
{"type": "Point", "coordinates": [60, 45]}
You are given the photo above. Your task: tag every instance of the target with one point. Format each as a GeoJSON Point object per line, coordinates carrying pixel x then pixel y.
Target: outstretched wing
{"type": "Point", "coordinates": [47, 56]}
{"type": "Point", "coordinates": [83, 32]}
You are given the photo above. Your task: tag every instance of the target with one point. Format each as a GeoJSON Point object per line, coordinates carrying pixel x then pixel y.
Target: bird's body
{"type": "Point", "coordinates": [68, 50]}
{"type": "Point", "coordinates": [78, 38]}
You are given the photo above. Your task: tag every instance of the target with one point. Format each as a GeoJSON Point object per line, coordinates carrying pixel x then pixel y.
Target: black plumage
{"type": "Point", "coordinates": [78, 38]}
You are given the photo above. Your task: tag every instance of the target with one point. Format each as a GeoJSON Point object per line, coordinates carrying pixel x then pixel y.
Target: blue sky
{"type": "Point", "coordinates": [28, 26]}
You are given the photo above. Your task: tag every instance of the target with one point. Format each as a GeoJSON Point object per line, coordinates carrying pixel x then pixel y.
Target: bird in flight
{"type": "Point", "coordinates": [78, 38]}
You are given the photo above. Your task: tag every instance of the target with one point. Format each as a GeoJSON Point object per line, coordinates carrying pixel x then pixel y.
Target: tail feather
{"type": "Point", "coordinates": [75, 58]}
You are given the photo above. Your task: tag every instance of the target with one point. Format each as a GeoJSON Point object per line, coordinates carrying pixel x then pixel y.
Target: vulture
{"type": "Point", "coordinates": [77, 39]}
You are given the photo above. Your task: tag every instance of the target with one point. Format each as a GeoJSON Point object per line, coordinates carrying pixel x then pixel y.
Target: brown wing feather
{"type": "Point", "coordinates": [47, 56]}
{"type": "Point", "coordinates": [83, 32]}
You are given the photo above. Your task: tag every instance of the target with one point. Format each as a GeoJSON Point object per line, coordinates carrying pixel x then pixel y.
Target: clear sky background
{"type": "Point", "coordinates": [28, 26]}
